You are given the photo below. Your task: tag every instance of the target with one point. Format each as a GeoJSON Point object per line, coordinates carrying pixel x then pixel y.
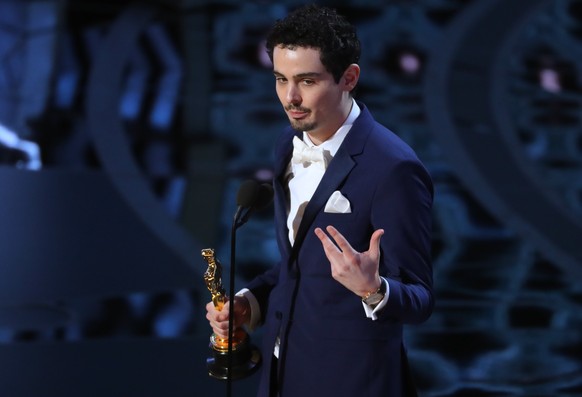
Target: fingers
{"type": "Point", "coordinates": [375, 242]}
{"type": "Point", "coordinates": [218, 319]}
{"type": "Point", "coordinates": [325, 240]}
{"type": "Point", "coordinates": [341, 244]}
{"type": "Point", "coordinates": [219, 327]}
{"type": "Point", "coordinates": [340, 240]}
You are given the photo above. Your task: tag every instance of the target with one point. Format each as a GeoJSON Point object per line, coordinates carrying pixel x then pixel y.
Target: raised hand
{"type": "Point", "coordinates": [357, 271]}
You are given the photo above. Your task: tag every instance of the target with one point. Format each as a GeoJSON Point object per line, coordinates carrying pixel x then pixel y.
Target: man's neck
{"type": "Point", "coordinates": [319, 138]}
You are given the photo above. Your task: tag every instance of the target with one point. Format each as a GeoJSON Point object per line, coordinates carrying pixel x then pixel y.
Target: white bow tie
{"type": "Point", "coordinates": [306, 155]}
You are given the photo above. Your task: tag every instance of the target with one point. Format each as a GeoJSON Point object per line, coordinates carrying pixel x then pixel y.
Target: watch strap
{"type": "Point", "coordinates": [375, 297]}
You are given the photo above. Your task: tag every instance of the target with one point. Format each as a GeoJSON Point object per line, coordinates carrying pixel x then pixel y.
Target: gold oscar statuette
{"type": "Point", "coordinates": [245, 357]}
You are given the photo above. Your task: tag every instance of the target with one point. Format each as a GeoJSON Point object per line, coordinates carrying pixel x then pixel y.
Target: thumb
{"type": "Point", "coordinates": [374, 249]}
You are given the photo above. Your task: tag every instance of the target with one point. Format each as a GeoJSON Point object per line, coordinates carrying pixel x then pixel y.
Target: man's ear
{"type": "Point", "coordinates": [351, 76]}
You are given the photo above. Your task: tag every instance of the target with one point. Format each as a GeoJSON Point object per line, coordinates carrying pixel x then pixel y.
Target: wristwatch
{"type": "Point", "coordinates": [375, 297]}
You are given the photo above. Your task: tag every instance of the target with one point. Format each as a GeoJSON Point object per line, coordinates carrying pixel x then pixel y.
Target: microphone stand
{"type": "Point", "coordinates": [252, 197]}
{"type": "Point", "coordinates": [239, 220]}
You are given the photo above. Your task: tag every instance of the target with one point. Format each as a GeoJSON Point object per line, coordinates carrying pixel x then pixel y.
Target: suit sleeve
{"type": "Point", "coordinates": [261, 287]}
{"type": "Point", "coordinates": [402, 206]}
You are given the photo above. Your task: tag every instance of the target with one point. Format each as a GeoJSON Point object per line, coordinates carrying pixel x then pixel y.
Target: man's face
{"type": "Point", "coordinates": [314, 102]}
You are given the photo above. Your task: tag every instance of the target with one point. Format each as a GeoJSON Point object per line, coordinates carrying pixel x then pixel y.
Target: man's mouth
{"type": "Point", "coordinates": [298, 113]}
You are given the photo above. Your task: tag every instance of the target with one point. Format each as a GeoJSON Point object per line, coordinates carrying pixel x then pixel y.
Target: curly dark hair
{"type": "Point", "coordinates": [321, 28]}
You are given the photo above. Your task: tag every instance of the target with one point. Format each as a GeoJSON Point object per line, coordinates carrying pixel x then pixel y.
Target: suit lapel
{"type": "Point", "coordinates": [283, 154]}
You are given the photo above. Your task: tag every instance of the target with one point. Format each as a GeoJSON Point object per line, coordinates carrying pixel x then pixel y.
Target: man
{"type": "Point", "coordinates": [353, 221]}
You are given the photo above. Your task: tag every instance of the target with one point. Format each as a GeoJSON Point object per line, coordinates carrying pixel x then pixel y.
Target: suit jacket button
{"type": "Point", "coordinates": [278, 315]}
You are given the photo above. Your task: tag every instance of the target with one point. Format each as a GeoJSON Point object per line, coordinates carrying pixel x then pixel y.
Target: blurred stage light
{"type": "Point", "coordinates": [404, 62]}
{"type": "Point", "coordinates": [410, 63]}
{"type": "Point", "coordinates": [263, 58]}
{"type": "Point", "coordinates": [31, 159]}
{"type": "Point", "coordinates": [550, 80]}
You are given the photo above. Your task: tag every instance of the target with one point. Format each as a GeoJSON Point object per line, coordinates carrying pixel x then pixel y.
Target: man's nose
{"type": "Point", "coordinates": [293, 96]}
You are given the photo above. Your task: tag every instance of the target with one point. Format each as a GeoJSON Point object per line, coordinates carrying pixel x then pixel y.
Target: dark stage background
{"type": "Point", "coordinates": [127, 128]}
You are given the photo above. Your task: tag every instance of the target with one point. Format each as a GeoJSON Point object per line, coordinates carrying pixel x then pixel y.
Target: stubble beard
{"type": "Point", "coordinates": [301, 125]}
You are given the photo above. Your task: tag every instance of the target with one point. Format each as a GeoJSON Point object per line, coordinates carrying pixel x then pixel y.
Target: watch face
{"type": "Point", "coordinates": [374, 299]}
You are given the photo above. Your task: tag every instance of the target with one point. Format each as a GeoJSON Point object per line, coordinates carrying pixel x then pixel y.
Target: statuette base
{"type": "Point", "coordinates": [246, 360]}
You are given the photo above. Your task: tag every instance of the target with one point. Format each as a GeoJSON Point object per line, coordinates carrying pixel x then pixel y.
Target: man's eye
{"type": "Point", "coordinates": [308, 82]}
{"type": "Point", "coordinates": [280, 80]}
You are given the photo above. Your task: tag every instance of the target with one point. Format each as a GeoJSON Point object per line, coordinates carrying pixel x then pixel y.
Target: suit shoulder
{"type": "Point", "coordinates": [389, 144]}
{"type": "Point", "coordinates": [381, 140]}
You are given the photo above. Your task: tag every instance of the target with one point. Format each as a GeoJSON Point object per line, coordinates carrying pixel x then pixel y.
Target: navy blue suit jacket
{"type": "Point", "coordinates": [328, 345]}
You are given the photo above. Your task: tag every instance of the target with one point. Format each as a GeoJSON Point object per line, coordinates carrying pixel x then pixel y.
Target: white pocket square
{"type": "Point", "coordinates": [338, 204]}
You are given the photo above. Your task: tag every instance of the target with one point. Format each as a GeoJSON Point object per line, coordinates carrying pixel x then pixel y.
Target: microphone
{"type": "Point", "coordinates": [245, 197]}
{"type": "Point", "coordinates": [251, 197]}
{"type": "Point", "coordinates": [264, 197]}
{"type": "Point", "coordinates": [247, 193]}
